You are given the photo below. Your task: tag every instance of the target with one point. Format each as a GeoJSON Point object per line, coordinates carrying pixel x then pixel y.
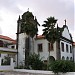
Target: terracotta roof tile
{"type": "Point", "coordinates": [7, 38]}
{"type": "Point", "coordinates": [74, 43]}
{"type": "Point", "coordinates": [14, 42]}
{"type": "Point", "coordinates": [40, 36]}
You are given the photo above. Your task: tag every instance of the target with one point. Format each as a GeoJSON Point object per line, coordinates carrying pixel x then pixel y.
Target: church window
{"type": "Point", "coordinates": [67, 48]}
{"type": "Point", "coordinates": [62, 46]}
{"type": "Point", "coordinates": [67, 58]}
{"type": "Point", "coordinates": [70, 49]}
{"type": "Point", "coordinates": [63, 58]}
{"type": "Point", "coordinates": [40, 49]}
{"type": "Point", "coordinates": [70, 58]}
{"type": "Point", "coordinates": [50, 47]}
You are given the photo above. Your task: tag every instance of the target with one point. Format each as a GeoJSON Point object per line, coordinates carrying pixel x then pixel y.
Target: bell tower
{"type": "Point", "coordinates": [17, 35]}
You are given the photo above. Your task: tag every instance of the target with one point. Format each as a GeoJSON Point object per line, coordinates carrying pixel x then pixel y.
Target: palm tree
{"type": "Point", "coordinates": [49, 31]}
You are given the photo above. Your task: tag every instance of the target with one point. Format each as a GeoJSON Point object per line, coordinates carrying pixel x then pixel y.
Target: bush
{"type": "Point", "coordinates": [5, 61]}
{"type": "Point", "coordinates": [35, 62]}
{"type": "Point", "coordinates": [62, 66]}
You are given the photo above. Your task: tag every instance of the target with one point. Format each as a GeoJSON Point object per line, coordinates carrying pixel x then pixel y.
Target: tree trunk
{"type": "Point", "coordinates": [48, 58]}
{"type": "Point", "coordinates": [33, 44]}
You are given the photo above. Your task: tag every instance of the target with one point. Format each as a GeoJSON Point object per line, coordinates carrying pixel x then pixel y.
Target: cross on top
{"type": "Point", "coordinates": [65, 21]}
{"type": "Point", "coordinates": [28, 9]}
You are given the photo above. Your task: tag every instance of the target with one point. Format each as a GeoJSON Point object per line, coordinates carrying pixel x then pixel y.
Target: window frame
{"type": "Point", "coordinates": [63, 58]}
{"type": "Point", "coordinates": [67, 48]}
{"type": "Point", "coordinates": [50, 47]}
{"type": "Point", "coordinates": [62, 46]}
{"type": "Point", "coordinates": [40, 47]}
{"type": "Point", "coordinates": [71, 58]}
{"type": "Point", "coordinates": [70, 49]}
{"type": "Point", "coordinates": [67, 58]}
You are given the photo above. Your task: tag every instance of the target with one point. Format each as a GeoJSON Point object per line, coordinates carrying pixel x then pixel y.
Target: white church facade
{"type": "Point", "coordinates": [39, 45]}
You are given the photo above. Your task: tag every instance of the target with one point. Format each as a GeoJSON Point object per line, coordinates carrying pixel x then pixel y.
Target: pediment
{"type": "Point", "coordinates": [66, 33]}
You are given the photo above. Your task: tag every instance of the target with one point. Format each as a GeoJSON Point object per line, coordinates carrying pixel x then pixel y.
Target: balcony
{"type": "Point", "coordinates": [10, 50]}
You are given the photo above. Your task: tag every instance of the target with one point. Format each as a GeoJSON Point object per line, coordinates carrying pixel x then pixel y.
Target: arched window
{"type": "Point", "coordinates": [70, 58]}
{"type": "Point", "coordinates": [51, 58]}
{"type": "Point", "coordinates": [63, 58]}
{"type": "Point", "coordinates": [67, 58]}
{"type": "Point", "coordinates": [1, 43]}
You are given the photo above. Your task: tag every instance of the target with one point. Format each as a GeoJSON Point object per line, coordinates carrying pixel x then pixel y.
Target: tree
{"type": "Point", "coordinates": [49, 31]}
{"type": "Point", "coordinates": [62, 66]}
{"type": "Point", "coordinates": [6, 61]}
{"type": "Point", "coordinates": [29, 26]}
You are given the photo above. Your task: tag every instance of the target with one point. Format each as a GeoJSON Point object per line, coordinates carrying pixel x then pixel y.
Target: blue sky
{"type": "Point", "coordinates": [42, 9]}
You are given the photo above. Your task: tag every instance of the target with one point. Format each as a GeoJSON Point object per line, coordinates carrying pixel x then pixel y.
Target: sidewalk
{"type": "Point", "coordinates": [19, 73]}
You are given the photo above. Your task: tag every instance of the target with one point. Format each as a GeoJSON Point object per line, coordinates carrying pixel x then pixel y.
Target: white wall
{"type": "Point", "coordinates": [44, 53]}
{"type": "Point", "coordinates": [21, 48]}
{"type": "Point", "coordinates": [10, 46]}
{"type": "Point", "coordinates": [65, 33]}
{"type": "Point", "coordinates": [74, 52]}
{"type": "Point", "coordinates": [65, 54]}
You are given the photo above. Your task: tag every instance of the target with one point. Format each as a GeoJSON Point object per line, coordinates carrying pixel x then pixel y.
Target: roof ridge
{"type": "Point", "coordinates": [6, 37]}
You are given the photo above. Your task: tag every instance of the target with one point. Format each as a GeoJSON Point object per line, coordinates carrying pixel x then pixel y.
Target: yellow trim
{"type": "Point", "coordinates": [7, 52]}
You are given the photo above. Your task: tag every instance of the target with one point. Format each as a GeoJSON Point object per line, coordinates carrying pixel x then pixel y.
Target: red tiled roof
{"type": "Point", "coordinates": [7, 38]}
{"type": "Point", "coordinates": [14, 41]}
{"type": "Point", "coordinates": [74, 43]}
{"type": "Point", "coordinates": [40, 36]}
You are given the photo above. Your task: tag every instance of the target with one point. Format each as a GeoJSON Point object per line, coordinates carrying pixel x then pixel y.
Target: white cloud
{"type": "Point", "coordinates": [10, 9]}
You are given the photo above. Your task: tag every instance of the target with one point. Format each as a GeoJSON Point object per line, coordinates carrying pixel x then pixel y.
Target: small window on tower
{"type": "Point", "coordinates": [40, 48]}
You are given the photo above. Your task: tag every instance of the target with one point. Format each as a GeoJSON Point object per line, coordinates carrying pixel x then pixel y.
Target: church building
{"type": "Point", "coordinates": [63, 50]}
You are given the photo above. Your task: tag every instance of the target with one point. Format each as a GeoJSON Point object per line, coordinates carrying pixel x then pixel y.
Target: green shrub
{"type": "Point", "coordinates": [5, 61]}
{"type": "Point", "coordinates": [62, 66]}
{"type": "Point", "coordinates": [35, 62]}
